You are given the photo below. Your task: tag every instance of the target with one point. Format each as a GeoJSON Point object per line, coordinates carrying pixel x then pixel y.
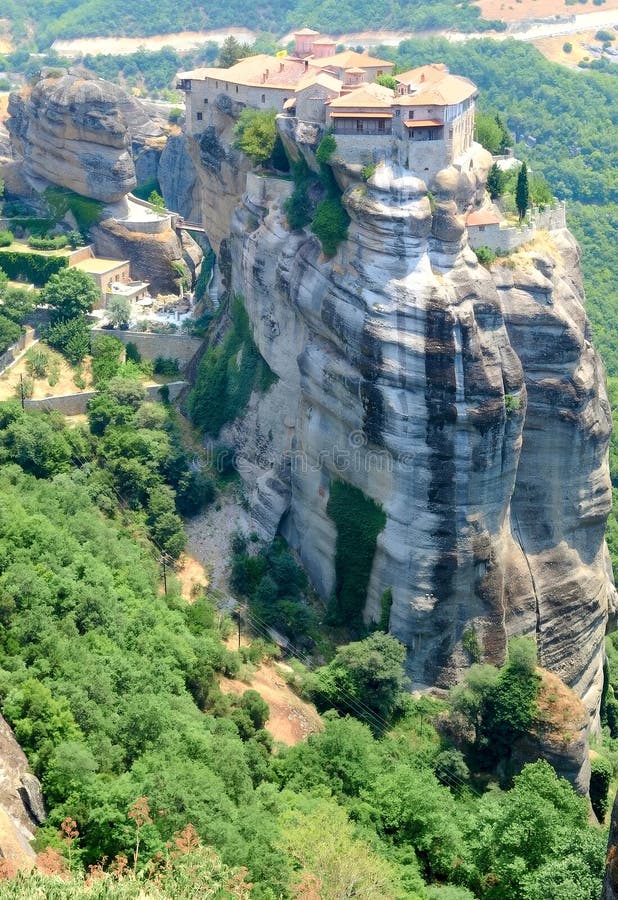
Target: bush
{"type": "Point", "coordinates": [71, 338]}
{"type": "Point", "coordinates": [9, 332]}
{"type": "Point", "coordinates": [227, 375]}
{"type": "Point", "coordinates": [600, 777]}
{"type": "Point", "coordinates": [45, 243]}
{"type": "Point", "coordinates": [358, 520]}
{"type": "Point", "coordinates": [330, 224]}
{"type": "Point", "coordinates": [326, 148]}
{"type": "Point", "coordinates": [132, 353]}
{"type": "Point", "coordinates": [255, 133]}
{"type": "Point", "coordinates": [119, 311]}
{"type": "Point", "coordinates": [165, 366]}
{"type": "Point", "coordinates": [567, 47]}
{"type": "Point", "coordinates": [107, 357]}
{"type": "Point", "coordinates": [6, 238]}
{"type": "Point", "coordinates": [37, 362]}
{"type": "Point", "coordinates": [32, 267]}
{"type": "Point", "coordinates": [485, 256]}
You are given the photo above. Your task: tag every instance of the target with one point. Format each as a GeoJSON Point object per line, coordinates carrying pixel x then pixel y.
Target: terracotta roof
{"type": "Point", "coordinates": [422, 123]}
{"type": "Point", "coordinates": [482, 217]}
{"type": "Point", "coordinates": [324, 40]}
{"type": "Point", "coordinates": [306, 31]}
{"type": "Point", "coordinates": [283, 72]}
{"type": "Point", "coordinates": [363, 114]}
{"type": "Point", "coordinates": [348, 58]}
{"type": "Point", "coordinates": [355, 70]}
{"type": "Point", "coordinates": [447, 91]}
{"type": "Point", "coordinates": [321, 78]}
{"type": "Point", "coordinates": [369, 95]}
{"type": "Point", "coordinates": [423, 74]}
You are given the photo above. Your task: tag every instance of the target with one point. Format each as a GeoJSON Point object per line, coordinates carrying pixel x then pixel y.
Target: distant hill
{"type": "Point", "coordinates": [50, 19]}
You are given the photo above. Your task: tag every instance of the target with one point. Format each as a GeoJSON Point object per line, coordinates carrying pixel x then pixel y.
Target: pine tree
{"type": "Point", "coordinates": [522, 191]}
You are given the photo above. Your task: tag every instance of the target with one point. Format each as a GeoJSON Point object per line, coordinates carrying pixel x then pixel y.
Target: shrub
{"type": "Point", "coordinates": [163, 365]}
{"type": "Point", "coordinates": [326, 148]}
{"type": "Point", "coordinates": [107, 354]}
{"type": "Point", "coordinates": [255, 133]}
{"type": "Point", "coordinates": [71, 338]}
{"type": "Point", "coordinates": [600, 777]}
{"type": "Point", "coordinates": [358, 520]}
{"type": "Point", "coordinates": [567, 47]}
{"type": "Point", "coordinates": [330, 224]}
{"type": "Point", "coordinates": [6, 238]}
{"type": "Point", "coordinates": [37, 362]}
{"type": "Point", "coordinates": [32, 267]}
{"type": "Point", "coordinates": [132, 353]}
{"type": "Point", "coordinates": [485, 256]}
{"type": "Point", "coordinates": [9, 332]}
{"type": "Point", "coordinates": [119, 311]}
{"type": "Point", "coordinates": [227, 375]}
{"type": "Point", "coordinates": [46, 243]}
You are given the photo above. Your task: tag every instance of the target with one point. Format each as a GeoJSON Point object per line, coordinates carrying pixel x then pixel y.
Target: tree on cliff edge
{"type": "Point", "coordinates": [522, 191]}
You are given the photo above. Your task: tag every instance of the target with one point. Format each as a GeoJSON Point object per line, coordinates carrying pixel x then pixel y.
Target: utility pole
{"type": "Point", "coordinates": [164, 574]}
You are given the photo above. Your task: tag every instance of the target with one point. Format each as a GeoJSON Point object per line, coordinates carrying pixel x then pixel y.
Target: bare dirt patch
{"type": "Point", "coordinates": [209, 535]}
{"type": "Point", "coordinates": [192, 576]}
{"type": "Point", "coordinates": [552, 47]}
{"type": "Point", "coordinates": [515, 11]}
{"type": "Point", "coordinates": [291, 719]}
{"type": "Point", "coordinates": [65, 384]}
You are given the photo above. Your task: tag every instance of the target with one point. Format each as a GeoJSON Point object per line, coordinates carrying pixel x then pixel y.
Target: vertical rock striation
{"type": "Point", "coordinates": [468, 403]}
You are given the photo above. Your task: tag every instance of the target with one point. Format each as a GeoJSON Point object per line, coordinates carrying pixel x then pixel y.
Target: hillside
{"type": "Point", "coordinates": [79, 18]}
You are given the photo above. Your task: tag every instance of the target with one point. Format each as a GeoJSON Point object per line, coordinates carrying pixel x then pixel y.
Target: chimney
{"type": "Point", "coordinates": [306, 64]}
{"type": "Point", "coordinates": [281, 66]}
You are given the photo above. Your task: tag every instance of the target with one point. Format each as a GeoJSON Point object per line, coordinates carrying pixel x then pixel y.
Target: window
{"type": "Point", "coordinates": [380, 72]}
{"type": "Point", "coordinates": [205, 101]}
{"type": "Point", "coordinates": [199, 117]}
{"type": "Point", "coordinates": [397, 113]}
{"type": "Point", "coordinates": [411, 114]}
{"type": "Point", "coordinates": [217, 84]}
{"type": "Point", "coordinates": [236, 88]}
{"type": "Point", "coordinates": [381, 124]}
{"type": "Point", "coordinates": [481, 228]}
{"type": "Point", "coordinates": [263, 98]}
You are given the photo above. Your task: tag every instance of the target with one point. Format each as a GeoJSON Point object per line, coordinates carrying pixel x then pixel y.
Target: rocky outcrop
{"type": "Point", "coordinates": [468, 403]}
{"type": "Point", "coordinates": [21, 804]}
{"type": "Point", "coordinates": [560, 734]}
{"type": "Point", "coordinates": [177, 176]}
{"type": "Point", "coordinates": [71, 131]}
{"type": "Point", "coordinates": [155, 258]}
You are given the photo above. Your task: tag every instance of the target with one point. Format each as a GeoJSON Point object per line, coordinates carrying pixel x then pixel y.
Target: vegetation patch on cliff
{"type": "Point", "coordinates": [358, 520]}
{"type": "Point", "coordinates": [229, 372]}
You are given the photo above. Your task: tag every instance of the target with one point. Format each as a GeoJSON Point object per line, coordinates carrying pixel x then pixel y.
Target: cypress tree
{"type": "Point", "coordinates": [522, 191]}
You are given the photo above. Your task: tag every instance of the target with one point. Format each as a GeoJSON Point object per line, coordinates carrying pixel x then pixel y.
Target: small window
{"type": "Point", "coordinates": [397, 113]}
{"type": "Point", "coordinates": [359, 124]}
{"type": "Point", "coordinates": [236, 88]}
{"type": "Point", "coordinates": [217, 84]}
{"type": "Point", "coordinates": [205, 101]}
{"type": "Point", "coordinates": [481, 228]}
{"type": "Point", "coordinates": [199, 117]}
{"type": "Point", "coordinates": [411, 114]}
{"type": "Point", "coordinates": [380, 72]}
{"type": "Point", "coordinates": [381, 124]}
{"type": "Point", "coordinates": [263, 98]}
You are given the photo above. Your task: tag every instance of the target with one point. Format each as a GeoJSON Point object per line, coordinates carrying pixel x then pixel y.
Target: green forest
{"type": "Point", "coordinates": [50, 19]}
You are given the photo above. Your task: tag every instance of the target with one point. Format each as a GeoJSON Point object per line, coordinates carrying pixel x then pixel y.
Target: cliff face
{"type": "Point", "coordinates": [468, 403]}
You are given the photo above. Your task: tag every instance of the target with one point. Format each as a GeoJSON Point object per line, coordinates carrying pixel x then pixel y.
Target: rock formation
{"type": "Point", "coordinates": [71, 131]}
{"type": "Point", "coordinates": [468, 403]}
{"type": "Point", "coordinates": [21, 804]}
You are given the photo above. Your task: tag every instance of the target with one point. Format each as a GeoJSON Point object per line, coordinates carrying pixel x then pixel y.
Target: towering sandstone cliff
{"type": "Point", "coordinates": [468, 403]}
